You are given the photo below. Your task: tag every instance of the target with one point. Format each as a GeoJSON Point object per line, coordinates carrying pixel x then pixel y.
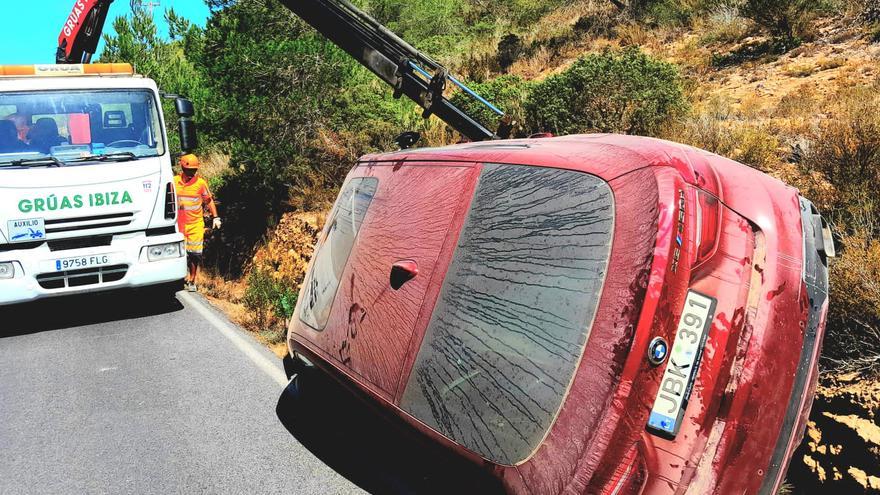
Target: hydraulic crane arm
{"type": "Point", "coordinates": [79, 37]}
{"type": "Point", "coordinates": [407, 70]}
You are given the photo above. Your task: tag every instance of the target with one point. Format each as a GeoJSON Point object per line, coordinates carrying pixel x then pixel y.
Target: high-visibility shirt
{"type": "Point", "coordinates": [191, 199]}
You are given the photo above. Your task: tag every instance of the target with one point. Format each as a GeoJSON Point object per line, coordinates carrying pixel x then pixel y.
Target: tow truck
{"type": "Point", "coordinates": [87, 200]}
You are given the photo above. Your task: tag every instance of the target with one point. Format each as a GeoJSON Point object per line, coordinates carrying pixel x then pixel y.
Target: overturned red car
{"type": "Point", "coordinates": [582, 314]}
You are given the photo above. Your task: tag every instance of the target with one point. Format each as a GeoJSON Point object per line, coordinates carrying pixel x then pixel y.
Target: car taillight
{"type": "Point", "coordinates": [170, 201]}
{"type": "Point", "coordinates": [708, 226]}
{"type": "Point", "coordinates": [629, 477]}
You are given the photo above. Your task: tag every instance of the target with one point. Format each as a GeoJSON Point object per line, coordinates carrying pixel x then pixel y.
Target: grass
{"type": "Point", "coordinates": [799, 103]}
{"type": "Point", "coordinates": [724, 25]}
{"type": "Point", "coordinates": [800, 70]}
{"type": "Point", "coordinates": [751, 51]}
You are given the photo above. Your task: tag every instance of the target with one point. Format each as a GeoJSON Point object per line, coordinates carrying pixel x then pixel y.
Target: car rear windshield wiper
{"type": "Point", "coordinates": [122, 156]}
{"type": "Point", "coordinates": [43, 161]}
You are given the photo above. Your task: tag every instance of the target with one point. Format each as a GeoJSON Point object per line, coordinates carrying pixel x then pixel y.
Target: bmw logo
{"type": "Point", "coordinates": [658, 349]}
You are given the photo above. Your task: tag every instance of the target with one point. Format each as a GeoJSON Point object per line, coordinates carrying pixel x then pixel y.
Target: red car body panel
{"type": "Point", "coordinates": [742, 400]}
{"type": "Point", "coordinates": [372, 337]}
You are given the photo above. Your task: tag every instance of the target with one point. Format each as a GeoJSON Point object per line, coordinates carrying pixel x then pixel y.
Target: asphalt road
{"type": "Point", "coordinates": [115, 394]}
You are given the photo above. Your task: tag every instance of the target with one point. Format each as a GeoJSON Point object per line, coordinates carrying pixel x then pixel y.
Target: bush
{"type": "Point", "coordinates": [755, 146]}
{"type": "Point", "coordinates": [601, 23]}
{"type": "Point", "coordinates": [751, 51]}
{"type": "Point", "coordinates": [725, 25]}
{"type": "Point", "coordinates": [667, 12]}
{"type": "Point", "coordinates": [788, 19]}
{"type": "Point", "coordinates": [853, 329]}
{"type": "Point", "coordinates": [271, 301]}
{"type": "Point", "coordinates": [871, 11]}
{"type": "Point", "coordinates": [615, 91]}
{"type": "Point", "coordinates": [846, 150]}
{"type": "Point", "coordinates": [510, 49]}
{"type": "Point", "coordinates": [506, 92]}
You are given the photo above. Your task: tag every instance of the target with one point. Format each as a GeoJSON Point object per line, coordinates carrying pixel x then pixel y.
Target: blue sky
{"type": "Point", "coordinates": [29, 32]}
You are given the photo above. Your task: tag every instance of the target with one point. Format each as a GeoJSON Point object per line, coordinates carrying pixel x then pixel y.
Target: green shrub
{"type": "Point", "coordinates": [271, 301]}
{"type": "Point", "coordinates": [506, 92]}
{"type": "Point", "coordinates": [616, 91]}
{"type": "Point", "coordinates": [667, 12]}
{"type": "Point", "coordinates": [788, 19]}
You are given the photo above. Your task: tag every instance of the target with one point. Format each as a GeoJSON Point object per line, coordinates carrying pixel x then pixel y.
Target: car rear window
{"type": "Point", "coordinates": [331, 254]}
{"type": "Point", "coordinates": [515, 310]}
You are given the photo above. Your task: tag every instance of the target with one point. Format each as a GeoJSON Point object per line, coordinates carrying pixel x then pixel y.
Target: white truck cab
{"type": "Point", "coordinates": [87, 197]}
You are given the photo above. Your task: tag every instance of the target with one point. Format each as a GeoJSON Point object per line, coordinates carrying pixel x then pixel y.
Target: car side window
{"type": "Point", "coordinates": [331, 254]}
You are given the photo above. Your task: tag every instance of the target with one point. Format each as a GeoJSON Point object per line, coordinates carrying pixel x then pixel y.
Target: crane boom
{"type": "Point", "coordinates": [81, 32]}
{"type": "Point", "coordinates": [409, 71]}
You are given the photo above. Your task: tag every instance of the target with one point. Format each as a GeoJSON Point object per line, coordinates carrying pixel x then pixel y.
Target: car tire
{"type": "Point", "coordinates": [298, 387]}
{"type": "Point", "coordinates": [292, 366]}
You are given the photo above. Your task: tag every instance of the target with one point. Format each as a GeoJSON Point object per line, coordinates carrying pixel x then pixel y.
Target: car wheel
{"type": "Point", "coordinates": [292, 366]}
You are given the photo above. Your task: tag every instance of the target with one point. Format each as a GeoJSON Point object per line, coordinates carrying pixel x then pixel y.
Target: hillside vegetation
{"type": "Point", "coordinates": [789, 87]}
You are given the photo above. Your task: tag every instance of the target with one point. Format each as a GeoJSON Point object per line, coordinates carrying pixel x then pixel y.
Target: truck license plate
{"type": "Point", "coordinates": [681, 369]}
{"type": "Point", "coordinates": [78, 262]}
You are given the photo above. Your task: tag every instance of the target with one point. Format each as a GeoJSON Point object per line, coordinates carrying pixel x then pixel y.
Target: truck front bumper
{"type": "Point", "coordinates": [34, 277]}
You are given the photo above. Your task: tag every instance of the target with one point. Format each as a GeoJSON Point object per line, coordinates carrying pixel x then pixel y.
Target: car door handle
{"type": "Point", "coordinates": [402, 272]}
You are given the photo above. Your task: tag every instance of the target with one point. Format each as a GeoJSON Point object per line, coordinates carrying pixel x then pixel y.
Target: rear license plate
{"type": "Point", "coordinates": [681, 369]}
{"type": "Point", "coordinates": [79, 262]}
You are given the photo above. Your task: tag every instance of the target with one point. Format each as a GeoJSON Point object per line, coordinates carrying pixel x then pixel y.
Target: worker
{"type": "Point", "coordinates": [193, 196]}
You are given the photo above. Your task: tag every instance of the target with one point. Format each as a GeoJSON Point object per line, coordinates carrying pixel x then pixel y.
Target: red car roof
{"type": "Point", "coordinates": [609, 156]}
{"type": "Point", "coordinates": [605, 155]}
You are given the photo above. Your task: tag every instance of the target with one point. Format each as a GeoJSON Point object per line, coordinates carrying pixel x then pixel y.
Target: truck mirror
{"type": "Point", "coordinates": [188, 138]}
{"type": "Point", "coordinates": [184, 107]}
{"type": "Point", "coordinates": [185, 111]}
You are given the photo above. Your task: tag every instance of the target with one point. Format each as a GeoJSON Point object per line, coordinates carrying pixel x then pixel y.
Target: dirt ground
{"type": "Point", "coordinates": [841, 448]}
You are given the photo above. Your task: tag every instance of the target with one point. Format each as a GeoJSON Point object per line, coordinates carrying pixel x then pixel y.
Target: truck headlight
{"type": "Point", "coordinates": [7, 270]}
{"type": "Point", "coordinates": [164, 251]}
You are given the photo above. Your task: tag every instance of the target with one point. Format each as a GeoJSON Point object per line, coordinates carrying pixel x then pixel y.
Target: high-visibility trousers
{"type": "Point", "coordinates": [195, 235]}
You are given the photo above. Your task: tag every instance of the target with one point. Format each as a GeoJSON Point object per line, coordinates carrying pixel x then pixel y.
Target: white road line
{"type": "Point", "coordinates": [237, 340]}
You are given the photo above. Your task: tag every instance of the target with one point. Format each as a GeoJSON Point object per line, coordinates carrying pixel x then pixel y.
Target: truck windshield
{"type": "Point", "coordinates": [67, 126]}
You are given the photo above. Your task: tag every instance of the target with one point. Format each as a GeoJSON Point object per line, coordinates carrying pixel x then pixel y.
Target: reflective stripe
{"type": "Point", "coordinates": [190, 208]}
{"type": "Point", "coordinates": [188, 198]}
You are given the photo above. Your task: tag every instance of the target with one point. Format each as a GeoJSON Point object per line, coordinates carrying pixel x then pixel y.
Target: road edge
{"type": "Point", "coordinates": [228, 330]}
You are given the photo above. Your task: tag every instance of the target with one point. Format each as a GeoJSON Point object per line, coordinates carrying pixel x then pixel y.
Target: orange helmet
{"type": "Point", "coordinates": [189, 161]}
